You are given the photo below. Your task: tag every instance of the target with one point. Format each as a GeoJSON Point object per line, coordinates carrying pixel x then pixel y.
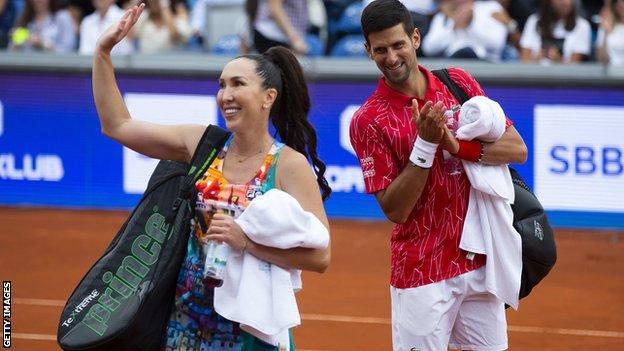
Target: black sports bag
{"type": "Point", "coordinates": [124, 300]}
{"type": "Point", "coordinates": [539, 252]}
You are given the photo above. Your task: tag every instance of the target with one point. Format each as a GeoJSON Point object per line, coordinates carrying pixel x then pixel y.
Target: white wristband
{"type": "Point", "coordinates": [423, 153]}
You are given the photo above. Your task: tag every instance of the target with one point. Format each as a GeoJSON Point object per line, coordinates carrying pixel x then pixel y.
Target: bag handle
{"type": "Point", "coordinates": [207, 150]}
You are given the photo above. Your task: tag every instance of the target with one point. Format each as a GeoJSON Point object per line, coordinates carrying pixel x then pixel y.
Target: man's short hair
{"type": "Point", "coordinates": [383, 14]}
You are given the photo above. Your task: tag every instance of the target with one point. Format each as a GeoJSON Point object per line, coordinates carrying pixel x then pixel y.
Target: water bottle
{"type": "Point", "coordinates": [216, 259]}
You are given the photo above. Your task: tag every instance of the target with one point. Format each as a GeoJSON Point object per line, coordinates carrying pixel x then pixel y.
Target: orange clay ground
{"type": "Point", "coordinates": [580, 305]}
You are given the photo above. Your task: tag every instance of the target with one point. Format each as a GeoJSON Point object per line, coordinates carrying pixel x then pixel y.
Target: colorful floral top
{"type": "Point", "coordinates": [194, 324]}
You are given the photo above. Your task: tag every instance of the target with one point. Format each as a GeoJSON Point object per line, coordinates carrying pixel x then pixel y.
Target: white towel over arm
{"type": "Point", "coordinates": [488, 227]}
{"type": "Point", "coordinates": [260, 295]}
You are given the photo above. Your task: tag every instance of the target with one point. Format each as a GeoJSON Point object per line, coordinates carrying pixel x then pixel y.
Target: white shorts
{"type": "Point", "coordinates": [457, 313]}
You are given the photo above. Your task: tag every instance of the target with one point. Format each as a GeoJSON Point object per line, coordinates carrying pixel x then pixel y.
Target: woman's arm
{"type": "Point", "coordinates": [295, 177]}
{"type": "Point", "coordinates": [529, 40]}
{"type": "Point", "coordinates": [168, 18]}
{"type": "Point", "coordinates": [158, 141]}
{"type": "Point", "coordinates": [276, 9]}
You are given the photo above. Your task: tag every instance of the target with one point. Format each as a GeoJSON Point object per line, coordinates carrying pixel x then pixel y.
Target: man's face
{"type": "Point", "coordinates": [394, 52]}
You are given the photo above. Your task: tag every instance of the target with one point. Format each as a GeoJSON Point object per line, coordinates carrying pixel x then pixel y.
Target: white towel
{"type": "Point", "coordinates": [260, 295]}
{"type": "Point", "coordinates": [488, 227]}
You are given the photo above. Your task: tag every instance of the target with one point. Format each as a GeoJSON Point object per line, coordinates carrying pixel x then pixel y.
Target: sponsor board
{"type": "Point", "coordinates": [52, 152]}
{"type": "Point", "coordinates": [579, 157]}
{"type": "Point", "coordinates": [28, 166]}
{"type": "Point", "coordinates": [164, 109]}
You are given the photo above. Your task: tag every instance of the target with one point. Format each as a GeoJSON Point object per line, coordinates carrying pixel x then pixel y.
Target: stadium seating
{"type": "Point", "coordinates": [315, 46]}
{"type": "Point", "coordinates": [349, 46]}
{"type": "Point", "coordinates": [228, 44]}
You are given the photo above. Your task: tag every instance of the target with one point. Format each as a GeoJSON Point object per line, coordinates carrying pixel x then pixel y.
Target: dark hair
{"type": "Point", "coordinates": [28, 13]}
{"type": "Point", "coordinates": [383, 14]}
{"type": "Point", "coordinates": [279, 69]}
{"type": "Point", "coordinates": [548, 18]}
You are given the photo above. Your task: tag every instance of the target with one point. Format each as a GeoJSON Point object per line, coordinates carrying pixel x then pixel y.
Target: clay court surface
{"type": "Point", "coordinates": [580, 306]}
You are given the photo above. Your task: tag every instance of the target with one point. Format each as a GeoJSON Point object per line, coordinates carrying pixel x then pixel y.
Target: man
{"type": "Point", "coordinates": [106, 14]}
{"type": "Point", "coordinates": [403, 136]}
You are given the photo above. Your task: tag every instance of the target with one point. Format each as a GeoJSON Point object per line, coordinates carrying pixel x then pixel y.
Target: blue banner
{"type": "Point", "coordinates": [53, 154]}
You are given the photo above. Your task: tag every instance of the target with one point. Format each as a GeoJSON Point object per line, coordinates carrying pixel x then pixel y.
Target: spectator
{"type": "Point", "coordinates": [106, 13]}
{"type": "Point", "coordinates": [520, 10]}
{"type": "Point", "coordinates": [281, 22]}
{"type": "Point", "coordinates": [556, 34]}
{"type": "Point", "coordinates": [163, 27]}
{"type": "Point", "coordinates": [9, 9]}
{"type": "Point", "coordinates": [244, 27]}
{"type": "Point", "coordinates": [591, 8]}
{"type": "Point", "coordinates": [199, 19]}
{"type": "Point", "coordinates": [79, 9]}
{"type": "Point", "coordinates": [466, 29]}
{"type": "Point", "coordinates": [43, 26]}
{"type": "Point", "coordinates": [610, 40]}
{"type": "Point", "coordinates": [514, 33]}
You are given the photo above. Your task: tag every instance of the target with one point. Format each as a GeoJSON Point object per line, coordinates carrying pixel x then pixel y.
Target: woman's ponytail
{"type": "Point", "coordinates": [279, 69]}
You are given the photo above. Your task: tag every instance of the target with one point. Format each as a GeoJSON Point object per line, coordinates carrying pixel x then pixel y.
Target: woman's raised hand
{"type": "Point", "coordinates": [115, 33]}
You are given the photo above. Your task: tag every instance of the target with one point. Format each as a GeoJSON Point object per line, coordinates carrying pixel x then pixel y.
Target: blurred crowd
{"type": "Point", "coordinates": [545, 31]}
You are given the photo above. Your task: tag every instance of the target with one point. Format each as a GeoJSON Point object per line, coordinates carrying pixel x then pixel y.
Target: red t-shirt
{"type": "Point", "coordinates": [425, 249]}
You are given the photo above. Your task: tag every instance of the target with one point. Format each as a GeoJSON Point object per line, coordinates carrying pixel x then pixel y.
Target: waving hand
{"type": "Point", "coordinates": [115, 33]}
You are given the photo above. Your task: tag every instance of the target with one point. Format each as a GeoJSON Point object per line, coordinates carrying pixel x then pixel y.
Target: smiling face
{"type": "Point", "coordinates": [394, 53]}
{"type": "Point", "coordinates": [562, 8]}
{"type": "Point", "coordinates": [41, 6]}
{"type": "Point", "coordinates": [242, 99]}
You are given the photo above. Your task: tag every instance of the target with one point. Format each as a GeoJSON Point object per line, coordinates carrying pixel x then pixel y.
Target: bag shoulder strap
{"type": "Point", "coordinates": [444, 76]}
{"type": "Point", "coordinates": [207, 150]}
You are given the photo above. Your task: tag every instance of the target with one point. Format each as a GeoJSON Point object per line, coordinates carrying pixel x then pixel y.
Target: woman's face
{"type": "Point", "coordinates": [41, 6]}
{"type": "Point", "coordinates": [153, 5]}
{"type": "Point", "coordinates": [243, 101]}
{"type": "Point", "coordinates": [562, 7]}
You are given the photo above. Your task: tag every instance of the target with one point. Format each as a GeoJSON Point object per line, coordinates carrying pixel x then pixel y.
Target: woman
{"type": "Point", "coordinates": [253, 89]}
{"type": "Point", "coordinates": [165, 27]}
{"type": "Point", "coordinates": [610, 39]}
{"type": "Point", "coordinates": [556, 34]}
{"type": "Point", "coordinates": [43, 26]}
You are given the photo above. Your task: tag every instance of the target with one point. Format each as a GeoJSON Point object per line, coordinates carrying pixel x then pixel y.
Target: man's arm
{"type": "Point", "coordinates": [510, 148]}
{"type": "Point", "coordinates": [398, 200]}
{"type": "Point", "coordinates": [400, 197]}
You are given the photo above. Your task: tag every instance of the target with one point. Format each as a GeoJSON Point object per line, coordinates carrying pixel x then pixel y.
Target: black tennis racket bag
{"type": "Point", "coordinates": [539, 252]}
{"type": "Point", "coordinates": [124, 300]}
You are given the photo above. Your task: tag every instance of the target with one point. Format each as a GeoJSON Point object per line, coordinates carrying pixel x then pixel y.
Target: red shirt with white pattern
{"type": "Point", "coordinates": [425, 249]}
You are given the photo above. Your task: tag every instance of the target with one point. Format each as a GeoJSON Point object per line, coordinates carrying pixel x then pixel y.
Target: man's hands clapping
{"type": "Point", "coordinates": [431, 122]}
